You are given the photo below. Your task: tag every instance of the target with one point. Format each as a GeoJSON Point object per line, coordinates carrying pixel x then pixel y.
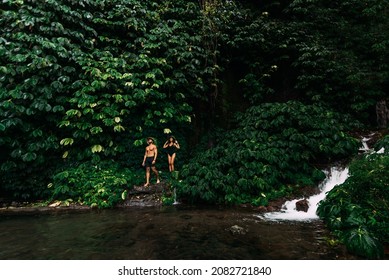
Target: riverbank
{"type": "Point", "coordinates": [139, 196]}
{"type": "Point", "coordinates": [154, 195]}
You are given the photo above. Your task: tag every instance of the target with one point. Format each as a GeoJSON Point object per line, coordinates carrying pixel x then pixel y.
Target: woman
{"type": "Point", "coordinates": [171, 146]}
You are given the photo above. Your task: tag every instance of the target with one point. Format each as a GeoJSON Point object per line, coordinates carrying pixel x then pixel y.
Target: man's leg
{"type": "Point", "coordinates": [147, 176]}
{"type": "Point", "coordinates": [156, 173]}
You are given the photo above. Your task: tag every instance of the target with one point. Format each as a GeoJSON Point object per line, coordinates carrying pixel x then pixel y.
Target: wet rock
{"type": "Point", "coordinates": [142, 200]}
{"type": "Point", "coordinates": [158, 188]}
{"type": "Point", "coordinates": [262, 209]}
{"type": "Point", "coordinates": [302, 205]}
{"type": "Point", "coordinates": [141, 196]}
{"type": "Point", "coordinates": [55, 204]}
{"type": "Point", "coordinates": [237, 230]}
{"type": "Point", "coordinates": [14, 204]}
{"type": "Point", "coordinates": [42, 209]}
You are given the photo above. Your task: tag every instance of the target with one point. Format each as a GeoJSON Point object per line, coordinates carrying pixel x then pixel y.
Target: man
{"type": "Point", "coordinates": [149, 160]}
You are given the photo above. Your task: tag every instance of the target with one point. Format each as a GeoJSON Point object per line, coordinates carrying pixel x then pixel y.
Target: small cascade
{"type": "Point", "coordinates": [175, 197]}
{"type": "Point", "coordinates": [334, 176]}
{"type": "Point", "coordinates": [175, 176]}
{"type": "Point", "coordinates": [365, 148]}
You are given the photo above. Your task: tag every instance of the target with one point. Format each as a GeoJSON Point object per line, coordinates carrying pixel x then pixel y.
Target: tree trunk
{"type": "Point", "coordinates": [382, 112]}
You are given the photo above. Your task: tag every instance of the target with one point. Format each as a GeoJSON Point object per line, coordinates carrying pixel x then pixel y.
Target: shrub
{"type": "Point", "coordinates": [358, 210]}
{"type": "Point", "coordinates": [272, 148]}
{"type": "Point", "coordinates": [97, 185]}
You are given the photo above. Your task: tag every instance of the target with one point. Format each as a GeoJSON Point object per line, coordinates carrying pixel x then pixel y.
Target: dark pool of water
{"type": "Point", "coordinates": [161, 233]}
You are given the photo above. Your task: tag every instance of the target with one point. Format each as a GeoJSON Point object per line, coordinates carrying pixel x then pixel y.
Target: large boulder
{"type": "Point", "coordinates": [302, 205]}
{"type": "Point", "coordinates": [141, 196]}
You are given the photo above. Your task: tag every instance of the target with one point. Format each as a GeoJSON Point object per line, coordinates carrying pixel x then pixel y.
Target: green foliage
{"type": "Point", "coordinates": [340, 52]}
{"type": "Point", "coordinates": [88, 79]}
{"type": "Point", "coordinates": [332, 52]}
{"type": "Point", "coordinates": [358, 210]}
{"type": "Point", "coordinates": [102, 185]}
{"type": "Point", "coordinates": [360, 241]}
{"type": "Point", "coordinates": [273, 146]}
{"type": "Point", "coordinates": [168, 199]}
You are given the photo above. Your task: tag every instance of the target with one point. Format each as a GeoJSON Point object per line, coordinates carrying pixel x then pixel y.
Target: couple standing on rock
{"type": "Point", "coordinates": [151, 153]}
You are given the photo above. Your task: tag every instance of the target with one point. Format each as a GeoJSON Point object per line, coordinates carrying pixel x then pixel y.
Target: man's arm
{"type": "Point", "coordinates": [144, 157]}
{"type": "Point", "coordinates": [155, 154]}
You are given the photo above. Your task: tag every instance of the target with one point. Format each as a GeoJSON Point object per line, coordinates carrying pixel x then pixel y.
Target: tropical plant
{"type": "Point", "coordinates": [85, 81]}
{"type": "Point", "coordinates": [88, 79]}
{"type": "Point", "coordinates": [100, 185]}
{"type": "Point", "coordinates": [357, 210]}
{"type": "Point", "coordinates": [341, 61]}
{"type": "Point", "coordinates": [274, 146]}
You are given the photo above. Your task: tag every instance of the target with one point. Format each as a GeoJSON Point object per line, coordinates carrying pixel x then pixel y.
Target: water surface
{"type": "Point", "coordinates": [176, 232]}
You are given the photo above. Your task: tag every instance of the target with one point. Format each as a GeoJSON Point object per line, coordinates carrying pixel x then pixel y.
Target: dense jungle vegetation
{"type": "Point", "coordinates": [260, 94]}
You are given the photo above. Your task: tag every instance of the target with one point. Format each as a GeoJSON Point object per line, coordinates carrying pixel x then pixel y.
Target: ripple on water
{"type": "Point", "coordinates": [162, 233]}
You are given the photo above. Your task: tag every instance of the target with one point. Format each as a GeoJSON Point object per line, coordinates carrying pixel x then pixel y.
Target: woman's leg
{"type": "Point", "coordinates": [169, 158]}
{"type": "Point", "coordinates": [173, 157]}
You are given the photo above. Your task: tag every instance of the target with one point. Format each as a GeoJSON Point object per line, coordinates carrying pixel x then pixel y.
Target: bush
{"type": "Point", "coordinates": [272, 148]}
{"type": "Point", "coordinates": [358, 210]}
{"type": "Point", "coordinates": [98, 185]}
{"type": "Point", "coordinates": [85, 78]}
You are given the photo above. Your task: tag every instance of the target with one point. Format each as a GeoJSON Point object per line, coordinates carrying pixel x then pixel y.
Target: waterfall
{"type": "Point", "coordinates": [334, 176]}
{"type": "Point", "coordinates": [365, 148]}
{"type": "Point", "coordinates": [175, 196]}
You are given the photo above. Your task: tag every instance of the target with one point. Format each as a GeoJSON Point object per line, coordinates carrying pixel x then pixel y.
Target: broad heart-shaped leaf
{"type": "Point", "coordinates": [118, 128]}
{"type": "Point", "coordinates": [97, 148]}
{"type": "Point", "coordinates": [29, 157]}
{"type": "Point", "coordinates": [124, 195]}
{"type": "Point", "coordinates": [67, 141]}
{"type": "Point", "coordinates": [96, 130]}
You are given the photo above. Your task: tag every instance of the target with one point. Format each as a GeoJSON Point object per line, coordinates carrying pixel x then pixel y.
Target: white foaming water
{"type": "Point", "coordinates": [381, 151]}
{"type": "Point", "coordinates": [335, 176]}
{"type": "Point", "coordinates": [365, 148]}
{"type": "Point", "coordinates": [175, 197]}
